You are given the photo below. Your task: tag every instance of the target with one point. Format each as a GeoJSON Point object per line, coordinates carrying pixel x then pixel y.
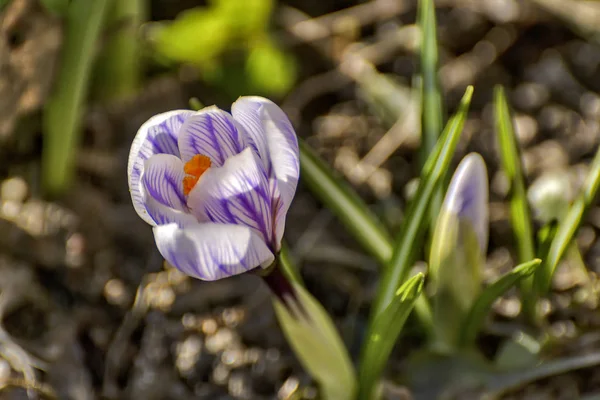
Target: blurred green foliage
{"type": "Point", "coordinates": [211, 37]}
{"type": "Point", "coordinates": [57, 7]}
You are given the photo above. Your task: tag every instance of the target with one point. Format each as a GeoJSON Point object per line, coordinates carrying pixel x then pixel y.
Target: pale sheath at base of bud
{"type": "Point", "coordinates": [313, 337]}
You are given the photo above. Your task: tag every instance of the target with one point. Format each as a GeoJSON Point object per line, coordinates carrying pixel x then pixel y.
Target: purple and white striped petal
{"type": "Point", "coordinates": [236, 193]}
{"type": "Point", "coordinates": [157, 135]}
{"type": "Point", "coordinates": [159, 214]}
{"type": "Point", "coordinates": [212, 251]}
{"type": "Point", "coordinates": [272, 135]}
{"type": "Point", "coordinates": [163, 180]}
{"type": "Point", "coordinates": [467, 196]}
{"type": "Point", "coordinates": [211, 132]}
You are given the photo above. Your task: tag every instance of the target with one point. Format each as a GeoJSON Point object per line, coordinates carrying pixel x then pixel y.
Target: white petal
{"type": "Point", "coordinates": [212, 251]}
{"type": "Point", "coordinates": [272, 135]}
{"type": "Point", "coordinates": [236, 193]}
{"type": "Point", "coordinates": [467, 196]}
{"type": "Point", "coordinates": [160, 214]}
{"type": "Point", "coordinates": [157, 135]}
{"type": "Point", "coordinates": [213, 133]}
{"type": "Point", "coordinates": [163, 180]}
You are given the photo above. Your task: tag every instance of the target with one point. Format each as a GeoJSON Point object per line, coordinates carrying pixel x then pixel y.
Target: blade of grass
{"type": "Point", "coordinates": [519, 207]}
{"type": "Point", "coordinates": [343, 201]}
{"type": "Point", "coordinates": [432, 116]}
{"type": "Point", "coordinates": [412, 229]}
{"type": "Point", "coordinates": [568, 226]}
{"type": "Point", "coordinates": [498, 384]}
{"type": "Point", "coordinates": [386, 329]}
{"type": "Point", "coordinates": [62, 115]}
{"type": "Point", "coordinates": [478, 312]}
{"type": "Point", "coordinates": [432, 99]}
{"type": "Point", "coordinates": [287, 266]}
{"type": "Point", "coordinates": [118, 71]}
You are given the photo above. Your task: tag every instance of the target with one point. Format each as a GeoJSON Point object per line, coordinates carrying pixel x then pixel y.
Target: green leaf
{"type": "Point", "coordinates": [247, 17]}
{"type": "Point", "coordinates": [343, 201]}
{"type": "Point", "coordinates": [519, 208]}
{"type": "Point", "coordinates": [57, 7]}
{"type": "Point", "coordinates": [118, 70]}
{"type": "Point", "coordinates": [545, 237]}
{"type": "Point", "coordinates": [520, 351]}
{"type": "Point", "coordinates": [432, 99]}
{"type": "Point", "coordinates": [287, 266]}
{"type": "Point", "coordinates": [269, 69]}
{"type": "Point", "coordinates": [384, 333]}
{"type": "Point", "coordinates": [432, 116]}
{"type": "Point", "coordinates": [500, 383]}
{"type": "Point", "coordinates": [476, 317]}
{"type": "Point", "coordinates": [414, 225]}
{"type": "Point", "coordinates": [569, 225]}
{"type": "Point", "coordinates": [317, 344]}
{"type": "Point", "coordinates": [63, 112]}
{"type": "Point", "coordinates": [198, 36]}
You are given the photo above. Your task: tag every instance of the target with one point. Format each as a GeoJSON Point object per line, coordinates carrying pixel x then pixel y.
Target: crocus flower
{"type": "Point", "coordinates": [458, 248]}
{"type": "Point", "coordinates": [215, 186]}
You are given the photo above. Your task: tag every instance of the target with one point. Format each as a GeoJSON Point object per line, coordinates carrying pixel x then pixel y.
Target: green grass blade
{"type": "Point", "coordinates": [118, 71]}
{"type": "Point", "coordinates": [568, 226]}
{"type": "Point", "coordinates": [478, 312]}
{"type": "Point", "coordinates": [56, 7]}
{"type": "Point", "coordinates": [63, 112]}
{"type": "Point", "coordinates": [383, 335]}
{"type": "Point", "coordinates": [512, 167]}
{"type": "Point", "coordinates": [414, 224]}
{"type": "Point", "coordinates": [287, 266]}
{"type": "Point", "coordinates": [343, 201]}
{"type": "Point", "coordinates": [432, 118]}
{"type": "Point", "coordinates": [519, 207]}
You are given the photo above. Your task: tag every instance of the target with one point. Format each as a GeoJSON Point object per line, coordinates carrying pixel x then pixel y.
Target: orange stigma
{"type": "Point", "coordinates": [194, 170]}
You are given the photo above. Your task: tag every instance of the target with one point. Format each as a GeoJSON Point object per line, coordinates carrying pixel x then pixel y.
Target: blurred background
{"type": "Point", "coordinates": [85, 304]}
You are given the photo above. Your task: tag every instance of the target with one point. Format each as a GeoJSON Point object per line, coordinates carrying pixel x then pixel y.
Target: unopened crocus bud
{"type": "Point", "coordinates": [458, 248]}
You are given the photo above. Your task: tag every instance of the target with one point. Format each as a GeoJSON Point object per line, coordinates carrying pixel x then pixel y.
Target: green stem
{"type": "Point", "coordinates": [63, 113]}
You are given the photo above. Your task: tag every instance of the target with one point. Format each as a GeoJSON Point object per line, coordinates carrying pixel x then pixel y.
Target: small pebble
{"type": "Point", "coordinates": [14, 189]}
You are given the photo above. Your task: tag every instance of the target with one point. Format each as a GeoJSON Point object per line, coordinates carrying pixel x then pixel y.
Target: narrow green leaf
{"type": "Point", "coordinates": [57, 7]}
{"type": "Point", "coordinates": [432, 99]}
{"type": "Point", "coordinates": [118, 70]}
{"type": "Point", "coordinates": [343, 201]}
{"type": "Point", "coordinates": [519, 207]}
{"type": "Point", "coordinates": [287, 266]}
{"type": "Point", "coordinates": [568, 226]}
{"type": "Point", "coordinates": [413, 227]}
{"type": "Point", "coordinates": [545, 237]}
{"type": "Point", "coordinates": [498, 384]}
{"type": "Point", "coordinates": [382, 338]}
{"type": "Point", "coordinates": [476, 316]}
{"type": "Point", "coordinates": [432, 116]}
{"type": "Point", "coordinates": [62, 116]}
{"type": "Point", "coordinates": [432, 105]}
{"type": "Point", "coordinates": [316, 342]}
